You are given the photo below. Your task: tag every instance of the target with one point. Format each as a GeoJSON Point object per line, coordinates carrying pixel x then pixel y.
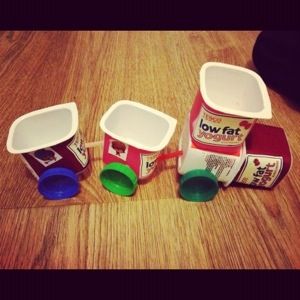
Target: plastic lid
{"type": "Point", "coordinates": [119, 179]}
{"type": "Point", "coordinates": [58, 183]}
{"type": "Point", "coordinates": [198, 185]}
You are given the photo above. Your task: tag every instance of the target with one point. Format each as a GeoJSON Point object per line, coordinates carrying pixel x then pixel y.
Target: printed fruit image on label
{"type": "Point", "coordinates": [261, 170]}
{"type": "Point", "coordinates": [148, 163]}
{"type": "Point", "coordinates": [77, 146]}
{"type": "Point", "coordinates": [216, 129]}
{"type": "Point", "coordinates": [118, 149]}
{"type": "Point", "coordinates": [46, 156]}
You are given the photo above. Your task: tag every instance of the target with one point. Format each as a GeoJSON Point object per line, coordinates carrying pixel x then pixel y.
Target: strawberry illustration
{"type": "Point", "coordinates": [119, 147]}
{"type": "Point", "coordinates": [245, 124]}
{"type": "Point", "coordinates": [45, 155]}
{"type": "Point", "coordinates": [256, 162]}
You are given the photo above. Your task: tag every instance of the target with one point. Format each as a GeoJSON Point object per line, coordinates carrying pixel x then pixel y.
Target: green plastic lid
{"type": "Point", "coordinates": [198, 185]}
{"type": "Point", "coordinates": [119, 179]}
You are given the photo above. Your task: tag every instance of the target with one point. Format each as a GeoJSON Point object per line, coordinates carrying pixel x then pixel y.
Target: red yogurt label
{"type": "Point", "coordinates": [219, 129]}
{"type": "Point", "coordinates": [261, 170]}
{"type": "Point", "coordinates": [68, 154]}
{"type": "Point", "coordinates": [148, 164]}
{"type": "Point", "coordinates": [268, 157]}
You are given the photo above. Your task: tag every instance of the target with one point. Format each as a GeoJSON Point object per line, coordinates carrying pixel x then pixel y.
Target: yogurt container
{"type": "Point", "coordinates": [49, 138]}
{"type": "Point", "coordinates": [224, 166]}
{"type": "Point", "coordinates": [135, 134]}
{"type": "Point", "coordinates": [226, 107]}
{"type": "Point", "coordinates": [268, 157]}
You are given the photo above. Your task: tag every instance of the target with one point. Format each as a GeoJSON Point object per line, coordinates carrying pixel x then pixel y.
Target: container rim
{"type": "Point", "coordinates": [265, 113]}
{"type": "Point", "coordinates": [71, 106]}
{"type": "Point", "coordinates": [171, 128]}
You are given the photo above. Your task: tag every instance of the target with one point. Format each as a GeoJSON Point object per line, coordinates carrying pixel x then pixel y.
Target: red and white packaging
{"type": "Point", "coordinates": [49, 138]}
{"type": "Point", "coordinates": [135, 134]}
{"type": "Point", "coordinates": [268, 157]}
{"type": "Point", "coordinates": [229, 102]}
{"type": "Point", "coordinates": [224, 166]}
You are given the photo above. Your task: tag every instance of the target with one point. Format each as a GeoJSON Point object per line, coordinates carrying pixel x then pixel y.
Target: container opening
{"type": "Point", "coordinates": [198, 186]}
{"type": "Point", "coordinates": [136, 124]}
{"type": "Point", "coordinates": [41, 129]}
{"type": "Point", "coordinates": [233, 89]}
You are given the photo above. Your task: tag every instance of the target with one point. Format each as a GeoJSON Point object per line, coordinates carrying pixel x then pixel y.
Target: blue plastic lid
{"type": "Point", "coordinates": [58, 183]}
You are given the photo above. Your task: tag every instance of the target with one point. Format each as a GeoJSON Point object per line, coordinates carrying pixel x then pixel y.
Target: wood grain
{"type": "Point", "coordinates": [167, 233]}
{"type": "Point", "coordinates": [240, 228]}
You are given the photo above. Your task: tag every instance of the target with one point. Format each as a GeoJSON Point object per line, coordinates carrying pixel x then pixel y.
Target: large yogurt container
{"type": "Point", "coordinates": [228, 103]}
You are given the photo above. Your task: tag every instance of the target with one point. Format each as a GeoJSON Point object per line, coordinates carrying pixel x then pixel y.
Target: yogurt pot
{"type": "Point", "coordinates": [224, 166]}
{"type": "Point", "coordinates": [229, 102]}
{"type": "Point", "coordinates": [135, 134]}
{"type": "Point", "coordinates": [268, 157]}
{"type": "Point", "coordinates": [49, 138]}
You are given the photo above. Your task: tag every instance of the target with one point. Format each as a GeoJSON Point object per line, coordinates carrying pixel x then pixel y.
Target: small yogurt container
{"type": "Point", "coordinates": [49, 138]}
{"type": "Point", "coordinates": [135, 134]}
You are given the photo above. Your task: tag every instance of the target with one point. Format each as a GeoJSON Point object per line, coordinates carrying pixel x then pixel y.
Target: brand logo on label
{"type": "Point", "coordinates": [261, 171]}
{"type": "Point", "coordinates": [148, 163]}
{"type": "Point", "coordinates": [263, 174]}
{"type": "Point", "coordinates": [77, 146]}
{"type": "Point", "coordinates": [220, 130]}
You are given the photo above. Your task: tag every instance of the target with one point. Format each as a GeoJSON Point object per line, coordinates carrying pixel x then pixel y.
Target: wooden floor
{"type": "Point", "coordinates": [240, 228]}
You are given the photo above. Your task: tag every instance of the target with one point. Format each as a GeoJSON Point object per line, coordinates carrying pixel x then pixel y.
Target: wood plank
{"type": "Point", "coordinates": [164, 233]}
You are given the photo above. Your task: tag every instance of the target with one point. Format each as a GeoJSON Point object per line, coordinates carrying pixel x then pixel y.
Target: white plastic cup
{"type": "Point", "coordinates": [49, 138]}
{"type": "Point", "coordinates": [135, 134]}
{"type": "Point", "coordinates": [229, 102]}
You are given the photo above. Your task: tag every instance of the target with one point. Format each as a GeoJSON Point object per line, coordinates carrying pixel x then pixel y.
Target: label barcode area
{"type": "Point", "coordinates": [215, 162]}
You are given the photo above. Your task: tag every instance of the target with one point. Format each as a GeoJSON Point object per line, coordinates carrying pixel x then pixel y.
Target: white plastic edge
{"type": "Point", "coordinates": [172, 125]}
{"type": "Point", "coordinates": [71, 106]}
{"type": "Point", "coordinates": [265, 113]}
